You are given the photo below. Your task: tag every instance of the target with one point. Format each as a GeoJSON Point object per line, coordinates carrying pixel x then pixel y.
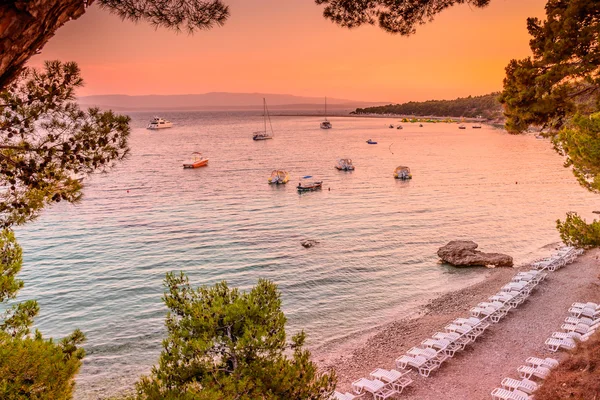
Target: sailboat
{"type": "Point", "coordinates": [264, 135]}
{"type": "Point", "coordinates": [326, 124]}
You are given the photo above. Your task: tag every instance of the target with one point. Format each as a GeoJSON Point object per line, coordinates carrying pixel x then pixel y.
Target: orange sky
{"type": "Point", "coordinates": [286, 46]}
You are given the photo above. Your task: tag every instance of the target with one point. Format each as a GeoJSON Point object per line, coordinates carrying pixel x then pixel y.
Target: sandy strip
{"type": "Point", "coordinates": [475, 372]}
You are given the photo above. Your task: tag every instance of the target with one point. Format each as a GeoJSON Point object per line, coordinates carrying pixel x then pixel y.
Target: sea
{"type": "Point", "coordinates": [100, 265]}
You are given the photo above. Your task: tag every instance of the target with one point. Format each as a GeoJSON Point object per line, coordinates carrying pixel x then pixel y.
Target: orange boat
{"type": "Point", "coordinates": [197, 161]}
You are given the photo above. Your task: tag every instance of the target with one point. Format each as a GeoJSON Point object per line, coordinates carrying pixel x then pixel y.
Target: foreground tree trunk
{"type": "Point", "coordinates": [26, 26]}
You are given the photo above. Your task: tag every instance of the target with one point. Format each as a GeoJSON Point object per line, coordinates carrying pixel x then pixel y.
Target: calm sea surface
{"type": "Point", "coordinates": [99, 266]}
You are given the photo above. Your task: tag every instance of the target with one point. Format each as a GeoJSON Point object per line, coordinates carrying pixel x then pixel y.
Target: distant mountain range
{"type": "Point", "coordinates": [215, 100]}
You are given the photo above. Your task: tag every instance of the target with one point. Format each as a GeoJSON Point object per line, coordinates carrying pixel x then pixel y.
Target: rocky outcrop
{"type": "Point", "coordinates": [308, 243]}
{"type": "Point", "coordinates": [462, 253]}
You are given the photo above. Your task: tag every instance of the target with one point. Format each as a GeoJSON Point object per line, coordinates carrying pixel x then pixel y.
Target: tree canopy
{"type": "Point", "coordinates": [393, 16]}
{"type": "Point", "coordinates": [48, 144]}
{"type": "Point", "coordinates": [563, 75]}
{"type": "Point", "coordinates": [226, 344]}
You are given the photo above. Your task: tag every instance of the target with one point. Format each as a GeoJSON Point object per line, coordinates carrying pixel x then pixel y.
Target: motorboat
{"type": "Point", "coordinates": [264, 134]}
{"type": "Point", "coordinates": [391, 126]}
{"type": "Point", "coordinates": [197, 161]}
{"type": "Point", "coordinates": [402, 172]}
{"type": "Point", "coordinates": [311, 186]}
{"type": "Point", "coordinates": [399, 127]}
{"type": "Point", "coordinates": [344, 164]}
{"type": "Point", "coordinates": [477, 126]}
{"type": "Point", "coordinates": [159, 123]}
{"type": "Point", "coordinates": [371, 141]}
{"type": "Point", "coordinates": [462, 127]}
{"type": "Point", "coordinates": [279, 177]}
{"type": "Point", "coordinates": [420, 125]}
{"type": "Point", "coordinates": [326, 124]}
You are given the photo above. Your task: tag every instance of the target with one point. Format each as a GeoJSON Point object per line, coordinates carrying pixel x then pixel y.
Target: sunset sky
{"type": "Point", "coordinates": [286, 46]}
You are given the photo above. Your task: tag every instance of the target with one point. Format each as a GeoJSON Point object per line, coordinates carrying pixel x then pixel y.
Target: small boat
{"type": "Point", "coordinates": [462, 127]}
{"type": "Point", "coordinates": [264, 135]}
{"type": "Point", "coordinates": [403, 173]}
{"type": "Point", "coordinates": [344, 164]}
{"type": "Point", "coordinates": [477, 126]}
{"type": "Point", "coordinates": [371, 141]}
{"type": "Point", "coordinates": [279, 177]}
{"type": "Point", "coordinates": [159, 123]}
{"type": "Point", "coordinates": [197, 161]}
{"type": "Point", "coordinates": [391, 126]}
{"type": "Point", "coordinates": [326, 124]}
{"type": "Point", "coordinates": [399, 127]}
{"type": "Point", "coordinates": [420, 125]}
{"type": "Point", "coordinates": [308, 187]}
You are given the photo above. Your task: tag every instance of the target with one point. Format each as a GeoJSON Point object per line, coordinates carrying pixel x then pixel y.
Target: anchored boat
{"type": "Point", "coordinates": [402, 172]}
{"type": "Point", "coordinates": [197, 161]}
{"type": "Point", "coordinates": [326, 124]}
{"type": "Point", "coordinates": [159, 123]}
{"type": "Point", "coordinates": [309, 186]}
{"type": "Point", "coordinates": [264, 135]}
{"type": "Point", "coordinates": [345, 164]}
{"type": "Point", "coordinates": [462, 127]}
{"type": "Point", "coordinates": [371, 141]}
{"type": "Point", "coordinates": [279, 177]}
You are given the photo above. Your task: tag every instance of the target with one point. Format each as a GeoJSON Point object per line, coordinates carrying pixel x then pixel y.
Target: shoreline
{"type": "Point", "coordinates": [478, 369]}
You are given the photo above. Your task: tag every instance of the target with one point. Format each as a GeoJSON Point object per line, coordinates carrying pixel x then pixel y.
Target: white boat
{"type": "Point", "coordinates": [264, 135]}
{"type": "Point", "coordinates": [159, 123]}
{"type": "Point", "coordinates": [345, 164]}
{"type": "Point", "coordinates": [326, 124]}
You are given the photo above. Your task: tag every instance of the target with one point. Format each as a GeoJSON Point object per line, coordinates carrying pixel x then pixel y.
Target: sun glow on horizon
{"type": "Point", "coordinates": [269, 46]}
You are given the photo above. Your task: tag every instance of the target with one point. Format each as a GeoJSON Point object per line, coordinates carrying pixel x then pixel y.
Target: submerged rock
{"type": "Point", "coordinates": [307, 243]}
{"type": "Point", "coordinates": [462, 253]}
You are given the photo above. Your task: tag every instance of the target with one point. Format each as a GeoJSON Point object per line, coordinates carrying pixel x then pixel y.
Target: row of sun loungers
{"type": "Point", "coordinates": [583, 321]}
{"type": "Point", "coordinates": [522, 388]}
{"type": "Point", "coordinates": [431, 353]}
{"type": "Point", "coordinates": [565, 255]}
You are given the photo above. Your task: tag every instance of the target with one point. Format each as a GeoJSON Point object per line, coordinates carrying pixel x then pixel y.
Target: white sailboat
{"type": "Point", "coordinates": [264, 135]}
{"type": "Point", "coordinates": [326, 124]}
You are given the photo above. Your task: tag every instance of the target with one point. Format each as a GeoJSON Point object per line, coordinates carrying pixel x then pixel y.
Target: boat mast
{"type": "Point", "coordinates": [325, 108]}
{"type": "Point", "coordinates": [265, 113]}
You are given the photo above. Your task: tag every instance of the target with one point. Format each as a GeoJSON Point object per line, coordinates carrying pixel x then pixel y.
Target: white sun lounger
{"type": "Point", "coordinates": [444, 345]}
{"type": "Point", "coordinates": [398, 380]}
{"type": "Point", "coordinates": [565, 335]}
{"type": "Point", "coordinates": [344, 396]}
{"type": "Point", "coordinates": [582, 320]}
{"type": "Point", "coordinates": [455, 338]}
{"type": "Point", "coordinates": [542, 362]}
{"type": "Point", "coordinates": [527, 372]}
{"type": "Point", "coordinates": [554, 345]}
{"type": "Point", "coordinates": [465, 330]}
{"type": "Point", "coordinates": [503, 394]}
{"type": "Point", "coordinates": [377, 388]}
{"type": "Point", "coordinates": [473, 322]}
{"type": "Point", "coordinates": [524, 385]}
{"type": "Point", "coordinates": [406, 362]}
{"type": "Point", "coordinates": [594, 306]}
{"type": "Point", "coordinates": [579, 328]}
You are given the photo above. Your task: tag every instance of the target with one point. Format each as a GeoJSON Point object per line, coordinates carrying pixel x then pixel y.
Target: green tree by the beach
{"type": "Point", "coordinates": [30, 366]}
{"type": "Point", "coordinates": [47, 146]}
{"type": "Point", "coordinates": [227, 344]}
{"type": "Point", "coordinates": [558, 89]}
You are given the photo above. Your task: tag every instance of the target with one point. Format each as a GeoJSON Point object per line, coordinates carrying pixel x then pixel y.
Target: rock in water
{"type": "Point", "coordinates": [307, 243]}
{"type": "Point", "coordinates": [462, 253]}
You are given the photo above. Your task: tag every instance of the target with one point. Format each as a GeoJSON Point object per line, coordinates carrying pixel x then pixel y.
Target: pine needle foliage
{"type": "Point", "coordinates": [227, 344]}
{"type": "Point", "coordinates": [48, 144]}
{"type": "Point", "coordinates": [393, 16]}
{"type": "Point", "coordinates": [574, 231]}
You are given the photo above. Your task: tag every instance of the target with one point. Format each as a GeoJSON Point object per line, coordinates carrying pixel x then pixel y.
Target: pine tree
{"type": "Point", "coordinates": [226, 344]}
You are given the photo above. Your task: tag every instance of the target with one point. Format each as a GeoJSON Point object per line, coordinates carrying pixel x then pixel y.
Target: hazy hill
{"type": "Point", "coordinates": [215, 100]}
{"type": "Point", "coordinates": [486, 106]}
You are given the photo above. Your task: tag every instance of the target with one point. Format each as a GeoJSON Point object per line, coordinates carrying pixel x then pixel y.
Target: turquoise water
{"type": "Point", "coordinates": [99, 265]}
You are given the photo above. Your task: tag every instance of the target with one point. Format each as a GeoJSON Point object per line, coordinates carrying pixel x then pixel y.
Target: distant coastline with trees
{"type": "Point", "coordinates": [486, 107]}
